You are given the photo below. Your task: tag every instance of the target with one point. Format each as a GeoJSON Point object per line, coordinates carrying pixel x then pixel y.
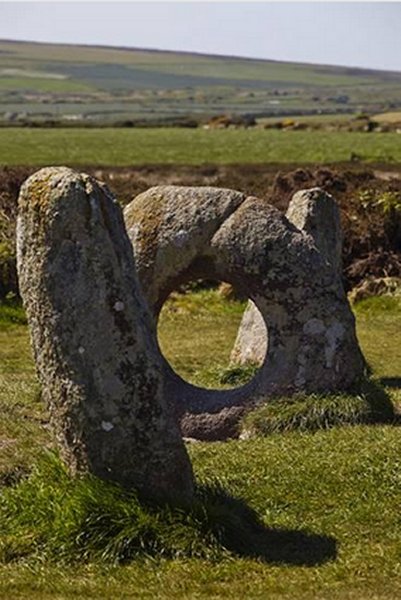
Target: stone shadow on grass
{"type": "Point", "coordinates": [394, 383]}
{"type": "Point", "coordinates": [240, 531]}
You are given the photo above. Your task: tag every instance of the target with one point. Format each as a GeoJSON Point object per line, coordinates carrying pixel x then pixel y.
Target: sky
{"type": "Point", "coordinates": [362, 34]}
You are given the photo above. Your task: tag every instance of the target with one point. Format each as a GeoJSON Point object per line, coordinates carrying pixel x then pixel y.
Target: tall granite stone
{"type": "Point", "coordinates": [96, 357]}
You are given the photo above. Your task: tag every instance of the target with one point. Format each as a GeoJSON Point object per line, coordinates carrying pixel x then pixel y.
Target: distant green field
{"type": "Point", "coordinates": [50, 76]}
{"type": "Point", "coordinates": [24, 146]}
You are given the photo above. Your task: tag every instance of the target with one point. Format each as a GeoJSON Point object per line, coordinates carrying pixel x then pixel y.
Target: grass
{"type": "Point", "coordinates": [11, 313]}
{"type": "Point", "coordinates": [335, 503]}
{"type": "Point", "coordinates": [119, 146]}
{"type": "Point", "coordinates": [21, 411]}
{"type": "Point", "coordinates": [368, 403]}
{"type": "Point", "coordinates": [380, 338]}
{"type": "Point", "coordinates": [202, 359]}
{"type": "Point", "coordinates": [304, 515]}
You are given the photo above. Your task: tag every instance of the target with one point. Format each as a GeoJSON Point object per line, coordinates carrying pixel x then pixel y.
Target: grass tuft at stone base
{"type": "Point", "coordinates": [367, 403]}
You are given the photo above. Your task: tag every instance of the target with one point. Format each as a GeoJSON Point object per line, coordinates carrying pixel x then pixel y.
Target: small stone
{"type": "Point", "coordinates": [252, 339]}
{"type": "Point", "coordinates": [315, 212]}
{"type": "Point", "coordinates": [119, 306]}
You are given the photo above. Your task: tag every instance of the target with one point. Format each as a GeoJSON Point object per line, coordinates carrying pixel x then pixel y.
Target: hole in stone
{"type": "Point", "coordinates": [197, 330]}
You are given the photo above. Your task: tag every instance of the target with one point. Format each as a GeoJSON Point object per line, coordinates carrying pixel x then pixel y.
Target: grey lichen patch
{"type": "Point", "coordinates": [107, 426]}
{"type": "Point", "coordinates": [181, 238]}
{"type": "Point", "coordinates": [334, 337]}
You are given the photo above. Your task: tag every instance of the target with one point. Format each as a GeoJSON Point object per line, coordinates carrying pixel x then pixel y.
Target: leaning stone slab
{"type": "Point", "coordinates": [289, 270]}
{"type": "Point", "coordinates": [96, 357]}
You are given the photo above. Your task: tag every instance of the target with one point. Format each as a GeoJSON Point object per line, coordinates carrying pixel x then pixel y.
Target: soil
{"type": "Point", "coordinates": [372, 232]}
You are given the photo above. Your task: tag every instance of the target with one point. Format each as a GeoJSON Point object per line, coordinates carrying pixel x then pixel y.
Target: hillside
{"type": "Point", "coordinates": [41, 81]}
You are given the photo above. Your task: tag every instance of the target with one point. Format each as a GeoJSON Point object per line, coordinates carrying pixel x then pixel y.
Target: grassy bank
{"type": "Point", "coordinates": [24, 146]}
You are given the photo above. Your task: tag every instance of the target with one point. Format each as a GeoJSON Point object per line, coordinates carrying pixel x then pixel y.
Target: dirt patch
{"type": "Point", "coordinates": [368, 200]}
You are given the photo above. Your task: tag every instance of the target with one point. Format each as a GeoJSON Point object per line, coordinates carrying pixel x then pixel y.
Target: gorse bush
{"type": "Point", "coordinates": [387, 202]}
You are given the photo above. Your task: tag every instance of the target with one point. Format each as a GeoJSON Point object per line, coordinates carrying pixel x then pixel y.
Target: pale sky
{"type": "Point", "coordinates": [365, 34]}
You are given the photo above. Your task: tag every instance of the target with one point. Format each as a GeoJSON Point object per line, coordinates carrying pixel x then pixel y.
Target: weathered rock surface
{"type": "Point", "coordinates": [91, 332]}
{"type": "Point", "coordinates": [170, 227]}
{"type": "Point", "coordinates": [289, 270]}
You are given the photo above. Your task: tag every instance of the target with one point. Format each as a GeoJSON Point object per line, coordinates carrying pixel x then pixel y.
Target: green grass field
{"type": "Point", "coordinates": [329, 498]}
{"type": "Point", "coordinates": [24, 146]}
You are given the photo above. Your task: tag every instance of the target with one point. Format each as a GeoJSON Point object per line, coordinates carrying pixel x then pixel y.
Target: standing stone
{"type": "Point", "coordinates": [96, 357]}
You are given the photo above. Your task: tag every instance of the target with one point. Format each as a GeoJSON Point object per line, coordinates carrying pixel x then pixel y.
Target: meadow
{"type": "Point", "coordinates": [328, 501]}
{"type": "Point", "coordinates": [125, 147]}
